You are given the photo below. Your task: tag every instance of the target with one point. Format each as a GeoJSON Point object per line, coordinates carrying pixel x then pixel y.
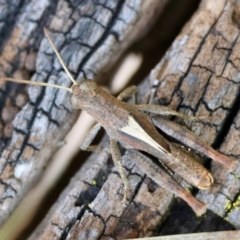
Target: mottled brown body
{"type": "Point", "coordinates": [113, 115]}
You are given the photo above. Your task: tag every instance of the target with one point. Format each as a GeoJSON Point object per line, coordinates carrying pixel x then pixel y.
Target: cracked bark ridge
{"type": "Point", "coordinates": [91, 35]}
{"type": "Point", "coordinates": [199, 76]}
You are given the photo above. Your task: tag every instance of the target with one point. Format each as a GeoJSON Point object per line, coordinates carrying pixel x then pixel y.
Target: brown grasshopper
{"type": "Point", "coordinates": [132, 127]}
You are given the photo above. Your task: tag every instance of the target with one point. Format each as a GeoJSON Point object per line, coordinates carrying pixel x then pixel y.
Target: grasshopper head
{"type": "Point", "coordinates": [83, 93]}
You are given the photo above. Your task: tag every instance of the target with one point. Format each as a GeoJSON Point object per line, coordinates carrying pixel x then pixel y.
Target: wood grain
{"type": "Point", "coordinates": [91, 35]}
{"type": "Point", "coordinates": [191, 78]}
{"type": "Point", "coordinates": [198, 75]}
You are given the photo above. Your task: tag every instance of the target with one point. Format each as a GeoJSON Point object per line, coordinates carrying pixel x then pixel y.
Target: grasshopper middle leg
{"type": "Point", "coordinates": [165, 111]}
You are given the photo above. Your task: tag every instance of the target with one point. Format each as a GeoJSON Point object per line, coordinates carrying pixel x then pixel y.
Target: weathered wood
{"type": "Point", "coordinates": [198, 75]}
{"type": "Point", "coordinates": [91, 36]}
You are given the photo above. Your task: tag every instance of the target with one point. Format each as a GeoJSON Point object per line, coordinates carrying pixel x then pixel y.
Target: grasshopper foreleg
{"type": "Point", "coordinates": [85, 145]}
{"type": "Point", "coordinates": [116, 155]}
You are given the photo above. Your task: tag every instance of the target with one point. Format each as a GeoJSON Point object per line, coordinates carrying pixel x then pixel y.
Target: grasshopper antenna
{"type": "Point", "coordinates": [46, 84]}
{"type": "Point", "coordinates": [59, 56]}
{"type": "Point", "coordinates": [35, 83]}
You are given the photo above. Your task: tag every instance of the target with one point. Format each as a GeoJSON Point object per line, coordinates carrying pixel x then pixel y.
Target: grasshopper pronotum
{"type": "Point", "coordinates": [133, 128]}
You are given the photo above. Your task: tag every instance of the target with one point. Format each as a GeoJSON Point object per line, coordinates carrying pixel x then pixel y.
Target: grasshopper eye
{"type": "Point", "coordinates": [87, 86]}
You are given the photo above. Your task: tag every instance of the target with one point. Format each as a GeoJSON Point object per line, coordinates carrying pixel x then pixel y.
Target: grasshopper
{"type": "Point", "coordinates": [132, 126]}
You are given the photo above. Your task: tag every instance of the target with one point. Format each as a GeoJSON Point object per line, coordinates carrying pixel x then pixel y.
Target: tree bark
{"type": "Point", "coordinates": [198, 75]}
{"type": "Point", "coordinates": [90, 35]}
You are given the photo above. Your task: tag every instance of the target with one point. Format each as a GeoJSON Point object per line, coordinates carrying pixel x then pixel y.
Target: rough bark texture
{"type": "Point", "coordinates": [91, 35]}
{"type": "Point", "coordinates": [198, 75]}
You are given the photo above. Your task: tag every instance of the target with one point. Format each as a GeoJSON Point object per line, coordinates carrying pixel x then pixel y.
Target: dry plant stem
{"type": "Point", "coordinates": [163, 179]}
{"type": "Point", "coordinates": [233, 235]}
{"type": "Point", "coordinates": [191, 140]}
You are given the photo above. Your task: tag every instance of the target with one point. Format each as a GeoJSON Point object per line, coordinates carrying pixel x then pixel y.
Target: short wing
{"type": "Point", "coordinates": [139, 133]}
